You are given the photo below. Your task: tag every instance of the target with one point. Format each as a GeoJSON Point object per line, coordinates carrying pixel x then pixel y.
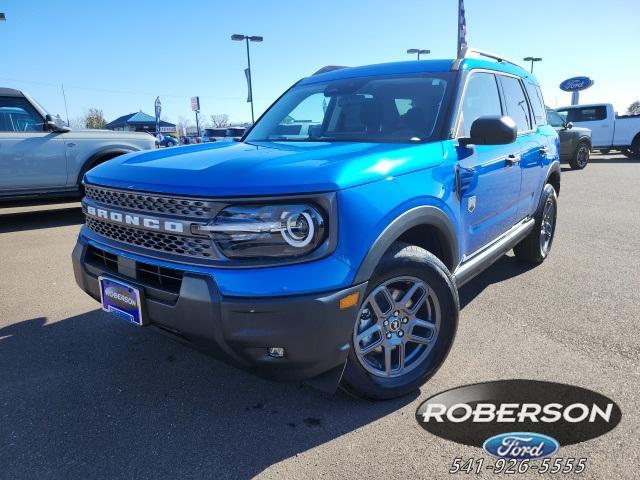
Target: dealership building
{"type": "Point", "coordinates": [139, 122]}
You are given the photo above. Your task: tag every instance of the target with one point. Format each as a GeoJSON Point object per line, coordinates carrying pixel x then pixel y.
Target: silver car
{"type": "Point", "coordinates": [41, 157]}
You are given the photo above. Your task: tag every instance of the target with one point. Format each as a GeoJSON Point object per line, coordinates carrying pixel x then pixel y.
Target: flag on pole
{"type": "Point", "coordinates": [158, 111]}
{"type": "Point", "coordinates": [247, 74]}
{"type": "Point", "coordinates": [462, 29]}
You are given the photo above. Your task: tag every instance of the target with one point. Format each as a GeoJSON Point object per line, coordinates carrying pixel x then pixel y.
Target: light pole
{"type": "Point", "coordinates": [413, 51]}
{"type": "Point", "coordinates": [247, 39]}
{"type": "Point", "coordinates": [532, 59]}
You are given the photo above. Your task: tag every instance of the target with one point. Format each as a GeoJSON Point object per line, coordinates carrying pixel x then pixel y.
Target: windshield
{"type": "Point", "coordinates": [372, 109]}
{"type": "Point", "coordinates": [555, 119]}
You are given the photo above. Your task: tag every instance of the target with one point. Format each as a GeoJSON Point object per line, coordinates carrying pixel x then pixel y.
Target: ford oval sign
{"type": "Point", "coordinates": [521, 446]}
{"type": "Point", "coordinates": [575, 84]}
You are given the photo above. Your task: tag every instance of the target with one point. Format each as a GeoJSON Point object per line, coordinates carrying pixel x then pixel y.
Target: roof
{"type": "Point", "coordinates": [415, 66]}
{"type": "Point", "coordinates": [10, 92]}
{"type": "Point", "coordinates": [136, 118]}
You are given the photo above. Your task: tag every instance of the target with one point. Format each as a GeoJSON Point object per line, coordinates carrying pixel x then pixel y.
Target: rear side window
{"type": "Point", "coordinates": [481, 98]}
{"type": "Point", "coordinates": [535, 97]}
{"type": "Point", "coordinates": [586, 114]}
{"type": "Point", "coordinates": [516, 102]}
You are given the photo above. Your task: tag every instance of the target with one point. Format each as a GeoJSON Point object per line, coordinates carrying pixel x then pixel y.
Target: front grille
{"type": "Point", "coordinates": [155, 276]}
{"type": "Point", "coordinates": [160, 242]}
{"type": "Point", "coordinates": [154, 203]}
{"type": "Point", "coordinates": [159, 277]}
{"type": "Point", "coordinates": [102, 259]}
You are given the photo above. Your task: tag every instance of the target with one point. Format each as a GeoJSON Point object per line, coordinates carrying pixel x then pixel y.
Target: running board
{"type": "Point", "coordinates": [481, 260]}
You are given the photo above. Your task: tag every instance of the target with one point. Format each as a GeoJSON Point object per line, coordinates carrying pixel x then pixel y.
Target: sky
{"type": "Point", "coordinates": [119, 55]}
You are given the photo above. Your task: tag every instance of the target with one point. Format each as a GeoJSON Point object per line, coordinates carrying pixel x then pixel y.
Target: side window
{"type": "Point", "coordinates": [516, 102]}
{"type": "Point", "coordinates": [587, 114]}
{"type": "Point", "coordinates": [17, 115]}
{"type": "Point", "coordinates": [535, 97]}
{"type": "Point", "coordinates": [481, 98]}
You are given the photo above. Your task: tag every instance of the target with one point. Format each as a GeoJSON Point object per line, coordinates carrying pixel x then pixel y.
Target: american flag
{"type": "Point", "coordinates": [462, 29]}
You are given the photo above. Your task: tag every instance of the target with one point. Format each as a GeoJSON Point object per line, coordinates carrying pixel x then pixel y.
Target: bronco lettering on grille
{"type": "Point", "coordinates": [150, 223]}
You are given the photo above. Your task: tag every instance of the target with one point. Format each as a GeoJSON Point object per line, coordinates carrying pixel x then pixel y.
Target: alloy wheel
{"type": "Point", "coordinates": [582, 157]}
{"type": "Point", "coordinates": [397, 326]}
{"type": "Point", "coordinates": [546, 226]}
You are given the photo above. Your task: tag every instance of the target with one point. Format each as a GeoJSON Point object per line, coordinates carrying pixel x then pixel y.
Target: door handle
{"type": "Point", "coordinates": [512, 160]}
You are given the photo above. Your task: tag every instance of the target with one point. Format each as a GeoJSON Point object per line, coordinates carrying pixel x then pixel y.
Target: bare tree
{"type": "Point", "coordinates": [78, 123]}
{"type": "Point", "coordinates": [93, 118]}
{"type": "Point", "coordinates": [220, 120]}
{"type": "Point", "coordinates": [634, 108]}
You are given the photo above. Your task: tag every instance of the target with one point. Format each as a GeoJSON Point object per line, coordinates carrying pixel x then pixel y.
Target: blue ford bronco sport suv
{"type": "Point", "coordinates": [328, 245]}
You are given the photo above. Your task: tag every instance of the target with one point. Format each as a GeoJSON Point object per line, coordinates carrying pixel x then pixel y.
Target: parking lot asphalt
{"type": "Point", "coordinates": [84, 395]}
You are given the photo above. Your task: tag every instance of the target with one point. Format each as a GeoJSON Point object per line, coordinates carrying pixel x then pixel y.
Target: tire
{"type": "Point", "coordinates": [633, 152]}
{"type": "Point", "coordinates": [580, 157]}
{"type": "Point", "coordinates": [428, 320]}
{"type": "Point", "coordinates": [537, 245]}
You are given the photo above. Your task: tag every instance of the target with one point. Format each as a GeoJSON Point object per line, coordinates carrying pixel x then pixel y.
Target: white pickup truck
{"type": "Point", "coordinates": [608, 130]}
{"type": "Point", "coordinates": [41, 158]}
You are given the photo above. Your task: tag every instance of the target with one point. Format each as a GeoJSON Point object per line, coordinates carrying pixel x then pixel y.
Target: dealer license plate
{"type": "Point", "coordinates": [121, 299]}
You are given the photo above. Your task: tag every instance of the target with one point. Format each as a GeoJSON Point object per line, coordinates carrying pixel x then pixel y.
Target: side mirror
{"type": "Point", "coordinates": [53, 126]}
{"type": "Point", "coordinates": [491, 130]}
{"type": "Point", "coordinates": [568, 125]}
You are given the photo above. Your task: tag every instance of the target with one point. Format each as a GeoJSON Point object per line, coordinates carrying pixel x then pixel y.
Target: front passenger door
{"type": "Point", "coordinates": [488, 175]}
{"type": "Point", "coordinates": [31, 158]}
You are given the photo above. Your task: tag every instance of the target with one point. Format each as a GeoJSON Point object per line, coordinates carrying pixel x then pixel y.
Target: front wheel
{"type": "Point", "coordinates": [405, 326]}
{"type": "Point", "coordinates": [580, 157]}
{"type": "Point", "coordinates": [537, 245]}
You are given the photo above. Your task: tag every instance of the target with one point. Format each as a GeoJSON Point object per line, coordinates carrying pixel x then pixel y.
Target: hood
{"type": "Point", "coordinates": [264, 168]}
{"type": "Point", "coordinates": [580, 130]}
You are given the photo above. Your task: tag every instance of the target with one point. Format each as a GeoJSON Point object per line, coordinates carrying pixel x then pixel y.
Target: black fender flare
{"type": "Point", "coordinates": [553, 168]}
{"type": "Point", "coordinates": [94, 159]}
{"type": "Point", "coordinates": [584, 138]}
{"type": "Point", "coordinates": [422, 215]}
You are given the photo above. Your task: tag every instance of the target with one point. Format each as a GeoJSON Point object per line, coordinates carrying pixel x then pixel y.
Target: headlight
{"type": "Point", "coordinates": [254, 231]}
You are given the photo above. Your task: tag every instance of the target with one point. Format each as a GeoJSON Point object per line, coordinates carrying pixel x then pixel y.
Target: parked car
{"type": "Point", "coordinates": [234, 133]}
{"type": "Point", "coordinates": [214, 135]}
{"type": "Point", "coordinates": [417, 176]}
{"type": "Point", "coordinates": [609, 131]}
{"type": "Point", "coordinates": [168, 141]}
{"type": "Point", "coordinates": [575, 142]}
{"type": "Point", "coordinates": [39, 157]}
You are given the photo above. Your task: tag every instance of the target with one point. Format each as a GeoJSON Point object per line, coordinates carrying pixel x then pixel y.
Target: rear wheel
{"type": "Point", "coordinates": [537, 245]}
{"type": "Point", "coordinates": [405, 325]}
{"type": "Point", "coordinates": [634, 151]}
{"type": "Point", "coordinates": [580, 156]}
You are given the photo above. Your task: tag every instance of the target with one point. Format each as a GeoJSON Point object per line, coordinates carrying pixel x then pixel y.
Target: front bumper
{"type": "Point", "coordinates": [312, 329]}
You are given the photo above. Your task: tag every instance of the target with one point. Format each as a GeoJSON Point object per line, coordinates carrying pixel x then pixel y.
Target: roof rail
{"type": "Point", "coordinates": [328, 68]}
{"type": "Point", "coordinates": [474, 52]}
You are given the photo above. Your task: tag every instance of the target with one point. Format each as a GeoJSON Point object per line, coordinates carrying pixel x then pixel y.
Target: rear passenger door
{"type": "Point", "coordinates": [595, 119]}
{"type": "Point", "coordinates": [533, 146]}
{"type": "Point", "coordinates": [488, 175]}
